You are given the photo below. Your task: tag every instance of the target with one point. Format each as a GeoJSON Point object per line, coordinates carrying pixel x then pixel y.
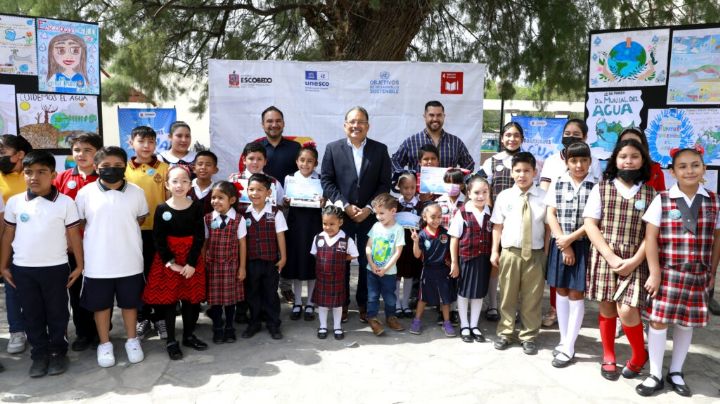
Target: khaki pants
{"type": "Point", "coordinates": [521, 280]}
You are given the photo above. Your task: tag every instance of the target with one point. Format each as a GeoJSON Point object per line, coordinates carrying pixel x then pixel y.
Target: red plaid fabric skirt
{"type": "Point", "coordinates": [602, 284]}
{"type": "Point", "coordinates": [165, 286]}
{"type": "Point", "coordinates": [223, 286]}
{"type": "Point", "coordinates": [683, 296]}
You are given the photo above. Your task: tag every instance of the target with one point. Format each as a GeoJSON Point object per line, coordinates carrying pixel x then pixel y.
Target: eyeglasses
{"type": "Point", "coordinates": [356, 122]}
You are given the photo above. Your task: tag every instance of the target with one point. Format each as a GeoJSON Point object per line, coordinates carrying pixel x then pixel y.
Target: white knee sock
{"type": "Point", "coordinates": [492, 293]}
{"type": "Point", "coordinates": [337, 318]}
{"type": "Point", "coordinates": [322, 316]}
{"type": "Point", "coordinates": [407, 289]}
{"type": "Point", "coordinates": [297, 290]}
{"type": "Point", "coordinates": [310, 288]}
{"type": "Point", "coordinates": [475, 309]}
{"type": "Point", "coordinates": [575, 319]}
{"type": "Point", "coordinates": [462, 303]}
{"type": "Point", "coordinates": [562, 306]}
{"type": "Point", "coordinates": [656, 350]}
{"type": "Point", "coordinates": [682, 336]}
{"type": "Point", "coordinates": [398, 301]}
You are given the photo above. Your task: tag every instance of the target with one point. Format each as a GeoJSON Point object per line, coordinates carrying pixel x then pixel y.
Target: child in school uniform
{"type": "Point", "coordinates": [470, 245]}
{"type": "Point", "coordinates": [428, 156]}
{"type": "Point", "coordinates": [657, 178]}
{"type": "Point", "coordinates": [205, 167]}
{"type": "Point", "coordinates": [454, 198]}
{"type": "Point", "coordinates": [519, 227]}
{"type": "Point", "coordinates": [618, 271]}
{"type": "Point", "coordinates": [113, 265]}
{"type": "Point", "coordinates": [178, 270]}
{"type": "Point", "coordinates": [408, 267]}
{"type": "Point", "coordinates": [41, 218]}
{"type": "Point", "coordinates": [180, 142]}
{"type": "Point", "coordinates": [225, 263]}
{"type": "Point", "coordinates": [266, 258]}
{"type": "Point", "coordinates": [254, 158]}
{"type": "Point", "coordinates": [306, 222]}
{"type": "Point", "coordinates": [569, 247]}
{"type": "Point", "coordinates": [332, 249]}
{"type": "Point", "coordinates": [147, 172]}
{"type": "Point", "coordinates": [682, 234]}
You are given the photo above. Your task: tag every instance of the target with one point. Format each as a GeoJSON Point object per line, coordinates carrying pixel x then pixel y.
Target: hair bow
{"type": "Point", "coordinates": [698, 148]}
{"type": "Point", "coordinates": [337, 203]}
{"type": "Point", "coordinates": [309, 144]}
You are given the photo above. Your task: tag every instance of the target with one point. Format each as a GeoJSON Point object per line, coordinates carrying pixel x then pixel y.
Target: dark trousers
{"type": "Point", "coordinates": [190, 313]}
{"type": "Point", "coordinates": [261, 295]}
{"type": "Point", "coordinates": [216, 315]}
{"type": "Point", "coordinates": [44, 301]}
{"type": "Point", "coordinates": [146, 311]}
{"type": "Point", "coordinates": [83, 319]}
{"type": "Point", "coordinates": [359, 230]}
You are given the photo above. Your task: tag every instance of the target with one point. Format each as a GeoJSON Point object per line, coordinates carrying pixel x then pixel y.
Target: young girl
{"type": "Point", "coordinates": [497, 169]}
{"type": "Point", "coordinates": [305, 222]}
{"type": "Point", "coordinates": [180, 142]}
{"type": "Point", "coordinates": [681, 241]}
{"type": "Point", "coordinates": [432, 244]}
{"type": "Point", "coordinates": [454, 198]}
{"type": "Point", "coordinates": [618, 271]}
{"type": "Point", "coordinates": [332, 249]}
{"type": "Point", "coordinates": [225, 230]}
{"type": "Point", "coordinates": [67, 65]}
{"type": "Point", "coordinates": [470, 246]}
{"type": "Point", "coordinates": [178, 271]}
{"type": "Point", "coordinates": [569, 247]}
{"type": "Point", "coordinates": [408, 267]}
{"type": "Point", "coordinates": [657, 179]}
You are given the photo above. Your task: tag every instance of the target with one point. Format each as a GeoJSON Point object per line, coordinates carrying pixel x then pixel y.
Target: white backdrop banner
{"type": "Point", "coordinates": [314, 97]}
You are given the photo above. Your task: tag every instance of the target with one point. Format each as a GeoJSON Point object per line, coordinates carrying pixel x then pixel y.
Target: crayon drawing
{"type": "Point", "coordinates": [17, 45]}
{"type": "Point", "coordinates": [68, 57]}
{"type": "Point", "coordinates": [48, 120]}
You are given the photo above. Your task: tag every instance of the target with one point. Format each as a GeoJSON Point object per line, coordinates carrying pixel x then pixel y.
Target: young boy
{"type": "Point", "coordinates": [205, 167]}
{"type": "Point", "coordinates": [385, 243]}
{"type": "Point", "coordinates": [13, 150]}
{"type": "Point", "coordinates": [428, 156]}
{"type": "Point", "coordinates": [41, 218]}
{"type": "Point", "coordinates": [113, 265]}
{"type": "Point", "coordinates": [69, 182]}
{"type": "Point", "coordinates": [148, 173]}
{"type": "Point", "coordinates": [265, 243]}
{"type": "Point", "coordinates": [519, 227]}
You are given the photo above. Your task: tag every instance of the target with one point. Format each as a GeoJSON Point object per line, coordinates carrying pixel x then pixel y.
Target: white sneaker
{"type": "Point", "coordinates": [16, 343]}
{"type": "Point", "coordinates": [134, 350]}
{"type": "Point", "coordinates": [105, 355]}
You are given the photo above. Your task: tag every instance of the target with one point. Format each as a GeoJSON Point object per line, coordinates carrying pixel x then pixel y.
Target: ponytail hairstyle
{"type": "Point", "coordinates": [332, 210]}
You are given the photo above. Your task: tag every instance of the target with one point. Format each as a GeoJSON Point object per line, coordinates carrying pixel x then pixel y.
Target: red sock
{"type": "Point", "coordinates": [552, 296]}
{"type": "Point", "coordinates": [607, 337]}
{"type": "Point", "coordinates": [637, 343]}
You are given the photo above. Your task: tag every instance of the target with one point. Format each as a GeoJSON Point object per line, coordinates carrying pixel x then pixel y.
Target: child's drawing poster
{"type": "Point", "coordinates": [17, 45]}
{"type": "Point", "coordinates": [68, 57]}
{"type": "Point", "coordinates": [609, 112]}
{"type": "Point", "coordinates": [629, 59]}
{"type": "Point", "coordinates": [674, 127]}
{"type": "Point", "coordinates": [48, 120]}
{"type": "Point", "coordinates": [8, 117]}
{"type": "Point", "coordinates": [695, 67]}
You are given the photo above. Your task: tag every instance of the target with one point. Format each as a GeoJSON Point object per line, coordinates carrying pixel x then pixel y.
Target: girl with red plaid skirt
{"type": "Point", "coordinates": [225, 231]}
{"type": "Point", "coordinates": [617, 272]}
{"type": "Point", "coordinates": [332, 249]}
{"type": "Point", "coordinates": [682, 243]}
{"type": "Point", "coordinates": [178, 272]}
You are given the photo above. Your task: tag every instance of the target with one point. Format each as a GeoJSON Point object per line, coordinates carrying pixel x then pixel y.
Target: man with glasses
{"type": "Point", "coordinates": [354, 171]}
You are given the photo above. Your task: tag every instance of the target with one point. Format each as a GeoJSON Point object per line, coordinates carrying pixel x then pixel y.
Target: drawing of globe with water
{"type": "Point", "coordinates": [626, 59]}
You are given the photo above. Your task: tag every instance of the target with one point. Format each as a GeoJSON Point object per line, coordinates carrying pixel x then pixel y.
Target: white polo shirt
{"type": "Point", "coordinates": [653, 214]}
{"type": "Point", "coordinates": [40, 223]}
{"type": "Point", "coordinates": [231, 214]}
{"type": "Point", "coordinates": [112, 242]}
{"type": "Point", "coordinates": [457, 224]}
{"type": "Point", "coordinates": [280, 223]}
{"type": "Point", "coordinates": [508, 212]}
{"type": "Point", "coordinates": [593, 206]}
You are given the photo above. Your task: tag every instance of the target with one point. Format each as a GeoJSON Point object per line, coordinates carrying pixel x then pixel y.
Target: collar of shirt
{"type": "Point", "coordinates": [283, 140]}
{"type": "Point", "coordinates": [427, 135]}
{"type": "Point", "coordinates": [104, 188]}
{"type": "Point", "coordinates": [446, 198]}
{"type": "Point", "coordinates": [76, 173]}
{"type": "Point", "coordinates": [565, 177]}
{"type": "Point", "coordinates": [154, 162]}
{"type": "Point", "coordinates": [51, 196]}
{"type": "Point", "coordinates": [332, 240]}
{"type": "Point", "coordinates": [314, 175]}
{"type": "Point", "coordinates": [411, 203]}
{"type": "Point", "coordinates": [624, 191]}
{"type": "Point", "coordinates": [533, 190]}
{"type": "Point", "coordinates": [200, 193]}
{"type": "Point", "coordinates": [675, 193]}
{"type": "Point", "coordinates": [352, 146]}
{"type": "Point", "coordinates": [230, 214]}
{"type": "Point", "coordinates": [170, 158]}
{"type": "Point", "coordinates": [256, 214]}
{"type": "Point", "coordinates": [478, 214]}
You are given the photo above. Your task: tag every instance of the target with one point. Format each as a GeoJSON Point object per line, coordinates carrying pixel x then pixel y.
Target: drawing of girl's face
{"type": "Point", "coordinates": [67, 54]}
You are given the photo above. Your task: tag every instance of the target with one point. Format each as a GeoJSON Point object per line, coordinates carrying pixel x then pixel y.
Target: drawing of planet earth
{"type": "Point", "coordinates": [624, 62]}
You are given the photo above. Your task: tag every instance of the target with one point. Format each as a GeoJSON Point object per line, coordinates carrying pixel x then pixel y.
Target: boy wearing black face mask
{"type": "Point", "coordinates": [113, 210]}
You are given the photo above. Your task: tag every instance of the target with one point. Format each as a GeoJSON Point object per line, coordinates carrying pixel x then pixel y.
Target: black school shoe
{"type": "Point", "coordinates": [218, 336]}
{"type": "Point", "coordinates": [502, 344]}
{"type": "Point", "coordinates": [275, 333]}
{"type": "Point", "coordinates": [229, 335]}
{"type": "Point", "coordinates": [39, 367]}
{"type": "Point", "coordinates": [646, 391]}
{"type": "Point", "coordinates": [529, 348]}
{"type": "Point", "coordinates": [250, 331]}
{"type": "Point", "coordinates": [339, 334]}
{"type": "Point", "coordinates": [194, 343]}
{"type": "Point", "coordinates": [466, 336]}
{"type": "Point", "coordinates": [80, 344]}
{"type": "Point", "coordinates": [681, 389]}
{"type": "Point", "coordinates": [477, 334]}
{"type": "Point", "coordinates": [57, 364]}
{"type": "Point", "coordinates": [173, 350]}
{"type": "Point", "coordinates": [611, 375]}
{"type": "Point", "coordinates": [296, 312]}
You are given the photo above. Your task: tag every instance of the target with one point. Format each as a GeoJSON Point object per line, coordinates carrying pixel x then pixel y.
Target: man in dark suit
{"type": "Point", "coordinates": [355, 170]}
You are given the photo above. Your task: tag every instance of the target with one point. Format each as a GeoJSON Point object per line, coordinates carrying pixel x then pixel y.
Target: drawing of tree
{"type": "Point", "coordinates": [48, 110]}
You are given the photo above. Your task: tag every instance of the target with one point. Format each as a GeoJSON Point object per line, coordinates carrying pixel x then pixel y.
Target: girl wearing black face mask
{"type": "Point", "coordinates": [657, 178]}
{"type": "Point", "coordinates": [618, 270]}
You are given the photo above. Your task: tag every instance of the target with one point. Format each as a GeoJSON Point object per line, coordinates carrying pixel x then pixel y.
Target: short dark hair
{"type": "Point", "coordinates": [254, 147]}
{"type": "Point", "coordinates": [428, 148]}
{"type": "Point", "coordinates": [454, 176]}
{"type": "Point", "coordinates": [42, 157]}
{"type": "Point", "coordinates": [580, 123]}
{"type": "Point", "coordinates": [15, 142]}
{"type": "Point", "coordinates": [579, 149]}
{"type": "Point", "coordinates": [207, 153]}
{"type": "Point", "coordinates": [332, 210]}
{"type": "Point", "coordinates": [271, 108]}
{"type": "Point", "coordinates": [227, 188]}
{"type": "Point", "coordinates": [264, 179]}
{"type": "Point", "coordinates": [434, 103]}
{"type": "Point", "coordinates": [143, 132]}
{"type": "Point", "coordinates": [93, 139]}
{"type": "Point", "coordinates": [358, 108]}
{"type": "Point", "coordinates": [385, 201]}
{"type": "Point", "coordinates": [611, 170]}
{"type": "Point", "coordinates": [524, 157]}
{"type": "Point", "coordinates": [110, 151]}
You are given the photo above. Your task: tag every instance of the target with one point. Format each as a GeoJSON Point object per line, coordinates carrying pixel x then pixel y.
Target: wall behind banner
{"type": "Point", "coordinates": [314, 97]}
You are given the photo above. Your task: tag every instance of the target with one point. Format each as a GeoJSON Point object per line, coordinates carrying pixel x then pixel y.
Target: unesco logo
{"type": "Point", "coordinates": [316, 80]}
{"type": "Point", "coordinates": [385, 84]}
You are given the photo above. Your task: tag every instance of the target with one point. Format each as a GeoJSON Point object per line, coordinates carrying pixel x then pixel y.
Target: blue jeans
{"type": "Point", "coordinates": [380, 285]}
{"type": "Point", "coordinates": [14, 313]}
